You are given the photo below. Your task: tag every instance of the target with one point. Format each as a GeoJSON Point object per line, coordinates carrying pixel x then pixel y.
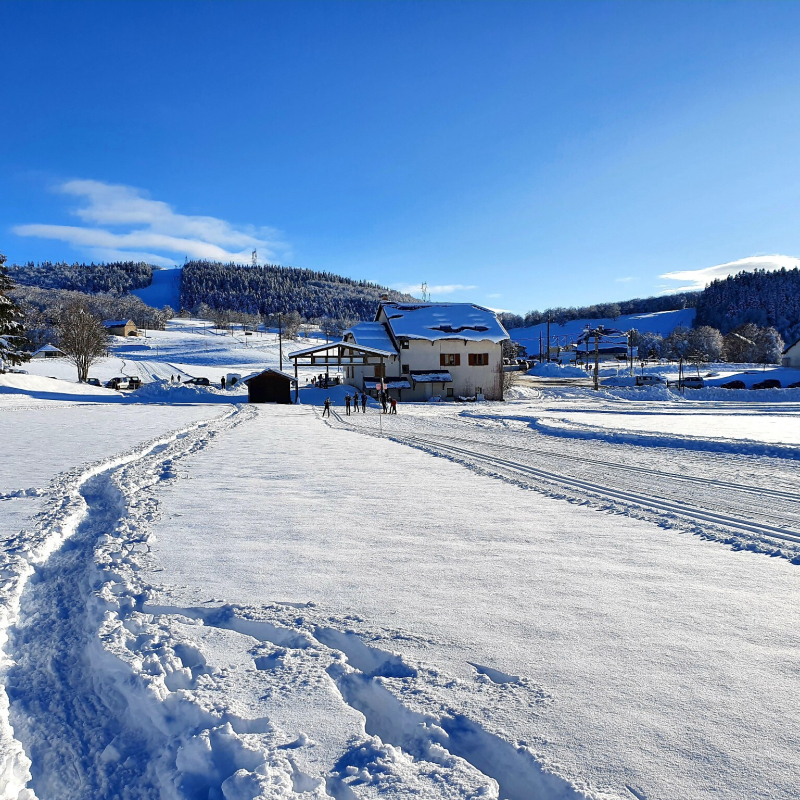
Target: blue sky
{"type": "Point", "coordinates": [532, 154]}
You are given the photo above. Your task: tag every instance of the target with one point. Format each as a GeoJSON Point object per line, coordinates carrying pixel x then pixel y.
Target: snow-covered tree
{"type": "Point", "coordinates": [750, 344]}
{"type": "Point", "coordinates": [650, 345]}
{"type": "Point", "coordinates": [82, 337]}
{"type": "Point", "coordinates": [12, 336]}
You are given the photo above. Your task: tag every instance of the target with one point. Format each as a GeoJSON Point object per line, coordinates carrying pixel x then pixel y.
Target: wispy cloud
{"type": "Point", "coordinates": [494, 296]}
{"type": "Point", "coordinates": [416, 288]}
{"type": "Point", "coordinates": [626, 279]}
{"type": "Point", "coordinates": [123, 223]}
{"type": "Point", "coordinates": [694, 279]}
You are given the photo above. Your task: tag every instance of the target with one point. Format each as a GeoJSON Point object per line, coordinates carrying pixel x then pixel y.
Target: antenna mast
{"type": "Point", "coordinates": [255, 258]}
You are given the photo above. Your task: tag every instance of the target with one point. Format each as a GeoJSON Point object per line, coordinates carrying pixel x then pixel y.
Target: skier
{"type": "Point", "coordinates": [384, 402]}
{"type": "Point", "coordinates": [327, 408]}
{"type": "Point", "coordinates": [355, 402]}
{"type": "Point", "coordinates": [347, 404]}
{"type": "Point", "coordinates": [172, 379]}
{"type": "Point", "coordinates": [363, 402]}
{"type": "Point", "coordinates": [394, 406]}
{"type": "Point", "coordinates": [222, 382]}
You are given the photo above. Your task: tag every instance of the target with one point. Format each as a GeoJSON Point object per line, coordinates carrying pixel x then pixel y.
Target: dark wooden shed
{"type": "Point", "coordinates": [269, 386]}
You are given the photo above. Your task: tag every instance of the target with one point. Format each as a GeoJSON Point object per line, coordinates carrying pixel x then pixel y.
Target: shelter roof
{"type": "Point", "coordinates": [391, 383]}
{"type": "Point", "coordinates": [116, 323]}
{"type": "Point", "coordinates": [434, 321]}
{"type": "Point", "coordinates": [265, 371]}
{"type": "Point", "coordinates": [320, 348]}
{"type": "Point", "coordinates": [47, 348]}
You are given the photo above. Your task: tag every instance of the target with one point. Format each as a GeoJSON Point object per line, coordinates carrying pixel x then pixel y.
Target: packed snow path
{"type": "Point", "coordinates": [746, 509]}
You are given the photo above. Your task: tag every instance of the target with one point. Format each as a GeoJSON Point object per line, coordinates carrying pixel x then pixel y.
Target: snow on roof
{"type": "Point", "coordinates": [264, 371]}
{"type": "Point", "coordinates": [371, 334]}
{"type": "Point", "coordinates": [434, 321]}
{"type": "Point", "coordinates": [320, 347]}
{"type": "Point", "coordinates": [391, 383]}
{"type": "Point", "coordinates": [116, 323]}
{"type": "Point", "coordinates": [431, 377]}
{"type": "Point", "coordinates": [47, 348]}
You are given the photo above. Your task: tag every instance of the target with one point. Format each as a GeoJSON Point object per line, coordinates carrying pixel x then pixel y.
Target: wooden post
{"type": "Point", "coordinates": [280, 339]}
{"type": "Point", "coordinates": [296, 384]}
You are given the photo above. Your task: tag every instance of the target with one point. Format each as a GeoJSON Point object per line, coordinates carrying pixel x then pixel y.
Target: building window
{"type": "Point", "coordinates": [404, 369]}
{"type": "Point", "coordinates": [404, 344]}
{"type": "Point", "coordinates": [449, 359]}
{"type": "Point", "coordinates": [478, 390]}
{"type": "Point", "coordinates": [449, 391]}
{"type": "Point", "coordinates": [478, 359]}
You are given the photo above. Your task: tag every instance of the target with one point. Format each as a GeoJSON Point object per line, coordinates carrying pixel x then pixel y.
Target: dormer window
{"type": "Point", "coordinates": [404, 344]}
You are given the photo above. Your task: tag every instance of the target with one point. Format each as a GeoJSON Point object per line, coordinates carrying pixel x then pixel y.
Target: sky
{"type": "Point", "coordinates": [520, 155]}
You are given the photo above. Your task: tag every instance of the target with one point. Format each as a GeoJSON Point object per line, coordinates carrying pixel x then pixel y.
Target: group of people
{"type": "Point", "coordinates": [388, 404]}
{"type": "Point", "coordinates": [320, 381]}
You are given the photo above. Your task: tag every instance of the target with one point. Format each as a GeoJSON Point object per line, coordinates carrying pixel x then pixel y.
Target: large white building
{"type": "Point", "coordinates": [445, 350]}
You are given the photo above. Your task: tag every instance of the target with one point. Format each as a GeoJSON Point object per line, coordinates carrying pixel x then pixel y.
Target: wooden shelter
{"type": "Point", "coordinates": [269, 386]}
{"type": "Point", "coordinates": [341, 354]}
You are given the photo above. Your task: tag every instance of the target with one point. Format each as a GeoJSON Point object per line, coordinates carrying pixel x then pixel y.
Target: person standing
{"type": "Point", "coordinates": [394, 406]}
{"type": "Point", "coordinates": [327, 407]}
{"type": "Point", "coordinates": [363, 402]}
{"type": "Point", "coordinates": [347, 404]}
{"type": "Point", "coordinates": [355, 402]}
{"type": "Point", "coordinates": [222, 382]}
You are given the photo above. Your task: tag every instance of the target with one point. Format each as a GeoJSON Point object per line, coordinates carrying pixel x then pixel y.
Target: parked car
{"type": "Point", "coordinates": [197, 382]}
{"type": "Point", "coordinates": [769, 383]}
{"type": "Point", "coordinates": [648, 380]}
{"type": "Point", "coordinates": [733, 385]}
{"type": "Point", "coordinates": [93, 382]}
{"type": "Point", "coordinates": [692, 383]}
{"type": "Point", "coordinates": [120, 382]}
{"type": "Point", "coordinates": [795, 385]}
{"type": "Point", "coordinates": [134, 383]}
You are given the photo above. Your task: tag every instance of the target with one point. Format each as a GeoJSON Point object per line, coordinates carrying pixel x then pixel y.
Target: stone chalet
{"type": "Point", "coordinates": [445, 350]}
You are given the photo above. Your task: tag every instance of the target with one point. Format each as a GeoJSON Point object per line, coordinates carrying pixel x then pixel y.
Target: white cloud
{"type": "Point", "coordinates": [627, 279]}
{"type": "Point", "coordinates": [136, 227]}
{"type": "Point", "coordinates": [494, 296]}
{"type": "Point", "coordinates": [416, 288]}
{"type": "Point", "coordinates": [694, 279]}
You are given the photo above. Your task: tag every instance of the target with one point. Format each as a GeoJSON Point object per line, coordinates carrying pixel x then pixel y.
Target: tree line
{"type": "Point", "coordinates": [115, 277]}
{"type": "Point", "coordinates": [272, 289]}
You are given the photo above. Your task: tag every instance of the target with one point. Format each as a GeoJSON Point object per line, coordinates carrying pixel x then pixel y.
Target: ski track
{"type": "Point", "coordinates": [737, 516]}
{"type": "Point", "coordinates": [106, 696]}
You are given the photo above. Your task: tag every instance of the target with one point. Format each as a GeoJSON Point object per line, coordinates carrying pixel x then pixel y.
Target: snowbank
{"type": "Point", "coordinates": [164, 391]}
{"type": "Point", "coordinates": [554, 370]}
{"type": "Point", "coordinates": [52, 388]}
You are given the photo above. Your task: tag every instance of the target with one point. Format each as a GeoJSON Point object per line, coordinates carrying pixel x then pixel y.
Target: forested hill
{"type": "Point", "coordinates": [271, 288]}
{"type": "Point", "coordinates": [763, 298]}
{"type": "Point", "coordinates": [115, 278]}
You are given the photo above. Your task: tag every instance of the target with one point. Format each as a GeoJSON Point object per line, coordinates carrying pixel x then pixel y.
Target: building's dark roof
{"type": "Point", "coordinates": [266, 371]}
{"type": "Point", "coordinates": [116, 323]}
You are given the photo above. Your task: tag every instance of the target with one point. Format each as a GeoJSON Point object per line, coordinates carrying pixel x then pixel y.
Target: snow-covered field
{"type": "Point", "coordinates": [572, 594]}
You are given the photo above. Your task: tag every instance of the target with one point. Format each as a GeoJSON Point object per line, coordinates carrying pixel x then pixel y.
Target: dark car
{"type": "Point", "coordinates": [770, 383]}
{"type": "Point", "coordinates": [733, 385]}
{"type": "Point", "coordinates": [197, 382]}
{"type": "Point", "coordinates": [134, 383]}
{"type": "Point", "coordinates": [794, 385]}
{"type": "Point", "coordinates": [93, 382]}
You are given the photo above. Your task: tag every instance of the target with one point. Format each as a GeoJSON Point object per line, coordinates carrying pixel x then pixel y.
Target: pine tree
{"type": "Point", "coordinates": [12, 337]}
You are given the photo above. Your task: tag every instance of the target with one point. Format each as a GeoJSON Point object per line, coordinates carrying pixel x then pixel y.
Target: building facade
{"type": "Point", "coordinates": [791, 356]}
{"type": "Point", "coordinates": [436, 350]}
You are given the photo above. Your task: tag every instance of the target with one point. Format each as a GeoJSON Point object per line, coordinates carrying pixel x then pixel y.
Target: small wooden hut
{"type": "Point", "coordinates": [269, 386]}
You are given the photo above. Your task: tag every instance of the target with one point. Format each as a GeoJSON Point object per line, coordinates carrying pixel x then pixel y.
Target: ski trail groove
{"type": "Point", "coordinates": [666, 511]}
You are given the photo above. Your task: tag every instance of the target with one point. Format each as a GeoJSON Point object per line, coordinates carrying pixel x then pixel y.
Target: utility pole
{"type": "Point", "coordinates": [596, 361]}
{"type": "Point", "coordinates": [280, 338]}
{"type": "Point", "coordinates": [548, 336]}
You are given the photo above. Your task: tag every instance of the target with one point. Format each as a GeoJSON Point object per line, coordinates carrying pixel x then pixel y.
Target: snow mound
{"type": "Point", "coordinates": [164, 391]}
{"type": "Point", "coordinates": [554, 370]}
{"type": "Point", "coordinates": [36, 385]}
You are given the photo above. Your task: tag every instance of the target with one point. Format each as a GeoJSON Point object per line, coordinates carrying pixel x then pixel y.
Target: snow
{"type": "Point", "coordinates": [164, 289]}
{"type": "Point", "coordinates": [372, 334]}
{"type": "Point", "coordinates": [436, 321]}
{"type": "Point", "coordinates": [555, 370]}
{"type": "Point", "coordinates": [570, 594]}
{"type": "Point", "coordinates": [663, 322]}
